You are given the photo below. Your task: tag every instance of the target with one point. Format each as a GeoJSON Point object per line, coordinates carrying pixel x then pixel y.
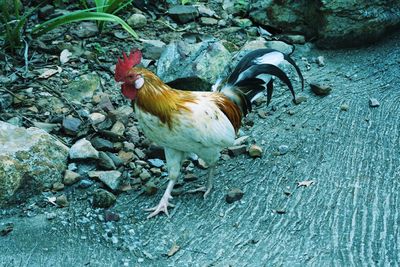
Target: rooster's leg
{"type": "Point", "coordinates": [206, 189]}
{"type": "Point", "coordinates": [164, 202]}
{"type": "Point", "coordinates": [174, 160]}
{"type": "Point", "coordinates": [210, 179]}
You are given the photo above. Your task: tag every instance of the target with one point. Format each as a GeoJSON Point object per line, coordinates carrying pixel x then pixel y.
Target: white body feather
{"type": "Point", "coordinates": [204, 129]}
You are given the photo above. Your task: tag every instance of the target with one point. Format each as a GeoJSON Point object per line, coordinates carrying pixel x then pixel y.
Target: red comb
{"type": "Point", "coordinates": [126, 64]}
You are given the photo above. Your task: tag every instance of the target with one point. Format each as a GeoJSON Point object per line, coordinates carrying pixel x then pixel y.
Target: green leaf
{"type": "Point", "coordinates": [79, 16]}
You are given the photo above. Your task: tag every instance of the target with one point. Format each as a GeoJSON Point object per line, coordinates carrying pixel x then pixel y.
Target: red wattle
{"type": "Point", "coordinates": [129, 91]}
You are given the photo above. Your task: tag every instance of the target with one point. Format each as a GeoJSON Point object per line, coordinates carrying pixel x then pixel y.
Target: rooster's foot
{"type": "Point", "coordinates": [161, 207]}
{"type": "Point", "coordinates": [204, 189]}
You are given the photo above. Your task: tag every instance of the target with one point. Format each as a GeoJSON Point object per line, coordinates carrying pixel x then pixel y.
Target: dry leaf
{"type": "Point", "coordinates": [46, 73]}
{"type": "Point", "coordinates": [174, 249]}
{"type": "Point", "coordinates": [52, 200]}
{"type": "Point", "coordinates": [306, 183]}
{"type": "Point", "coordinates": [64, 56]}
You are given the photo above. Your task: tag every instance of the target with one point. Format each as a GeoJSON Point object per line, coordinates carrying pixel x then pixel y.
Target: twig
{"type": "Point", "coordinates": [11, 93]}
{"type": "Point", "coordinates": [63, 97]}
{"type": "Point", "coordinates": [26, 56]}
{"type": "Point", "coordinates": [172, 28]}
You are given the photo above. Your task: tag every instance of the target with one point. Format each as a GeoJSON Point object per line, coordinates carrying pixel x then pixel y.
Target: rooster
{"type": "Point", "coordinates": [203, 123]}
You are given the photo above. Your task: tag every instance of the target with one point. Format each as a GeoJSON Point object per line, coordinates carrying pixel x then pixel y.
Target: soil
{"type": "Point", "coordinates": [325, 191]}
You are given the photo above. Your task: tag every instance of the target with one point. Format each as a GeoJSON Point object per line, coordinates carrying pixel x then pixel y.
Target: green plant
{"type": "Point", "coordinates": [103, 12]}
{"type": "Point", "coordinates": [13, 24]}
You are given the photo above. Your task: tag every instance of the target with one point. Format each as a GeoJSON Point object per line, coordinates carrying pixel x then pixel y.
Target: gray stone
{"type": "Point", "coordinates": [320, 89]}
{"type": "Point", "coordinates": [121, 114]}
{"type": "Point", "coordinates": [205, 11]}
{"type": "Point", "coordinates": [58, 186]}
{"type": "Point", "coordinates": [105, 162]}
{"type": "Point", "coordinates": [150, 188]}
{"type": "Point", "coordinates": [96, 118]}
{"type": "Point", "coordinates": [31, 160]}
{"type": "Point", "coordinates": [242, 23]}
{"type": "Point", "coordinates": [344, 107]}
{"type": "Point", "coordinates": [140, 153]}
{"type": "Point", "coordinates": [234, 195]}
{"type": "Point", "coordinates": [112, 179]}
{"type": "Point", "coordinates": [102, 144]}
{"type": "Point", "coordinates": [183, 14]}
{"type": "Point", "coordinates": [145, 175]}
{"type": "Point", "coordinates": [373, 102]}
{"type": "Point", "coordinates": [283, 149]}
{"type": "Point", "coordinates": [118, 128]}
{"type": "Point", "coordinates": [158, 163]}
{"type": "Point", "coordinates": [16, 121]}
{"type": "Point", "coordinates": [48, 127]}
{"type": "Point", "coordinates": [83, 149]}
{"type": "Point", "coordinates": [62, 201]}
{"type": "Point", "coordinates": [235, 7]}
{"type": "Point", "coordinates": [71, 177]}
{"type": "Point", "coordinates": [336, 23]}
{"type": "Point", "coordinates": [237, 150]}
{"type": "Point", "coordinates": [83, 88]}
{"type": "Point", "coordinates": [193, 66]}
{"type": "Point", "coordinates": [137, 21]}
{"type": "Point", "coordinates": [262, 43]}
{"type": "Point", "coordinates": [103, 199]}
{"type": "Point", "coordinates": [320, 61]}
{"type": "Point", "coordinates": [133, 134]}
{"type": "Point", "coordinates": [86, 29]}
{"type": "Point", "coordinates": [208, 21]}
{"type": "Point", "coordinates": [153, 48]}
{"type": "Point", "coordinates": [117, 160]}
{"type": "Point", "coordinates": [255, 151]}
{"type": "Point", "coordinates": [71, 125]}
{"type": "Point", "coordinates": [45, 11]}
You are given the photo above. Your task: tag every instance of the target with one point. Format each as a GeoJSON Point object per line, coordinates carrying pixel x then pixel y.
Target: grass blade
{"type": "Point", "coordinates": [79, 16]}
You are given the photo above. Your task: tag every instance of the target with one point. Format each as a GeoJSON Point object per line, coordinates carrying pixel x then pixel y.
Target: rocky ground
{"type": "Point", "coordinates": [311, 183]}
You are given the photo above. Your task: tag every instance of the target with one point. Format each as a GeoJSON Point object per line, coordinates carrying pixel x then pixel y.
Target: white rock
{"type": "Point", "coordinates": [97, 118]}
{"type": "Point", "coordinates": [83, 149]}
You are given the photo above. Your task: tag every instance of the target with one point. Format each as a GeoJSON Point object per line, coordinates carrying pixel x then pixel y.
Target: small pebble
{"type": "Point", "coordinates": [150, 188]}
{"type": "Point", "coordinates": [71, 177]}
{"type": "Point", "coordinates": [255, 151]}
{"type": "Point", "coordinates": [373, 102]}
{"type": "Point", "coordinates": [283, 149]}
{"type": "Point", "coordinates": [103, 199]}
{"type": "Point", "coordinates": [320, 89]}
{"type": "Point", "coordinates": [58, 186]}
{"type": "Point", "coordinates": [62, 201]}
{"type": "Point", "coordinates": [50, 216]}
{"type": "Point", "coordinates": [300, 99]}
{"type": "Point", "coordinates": [158, 163]}
{"type": "Point", "coordinates": [320, 61]}
{"type": "Point", "coordinates": [190, 177]}
{"type": "Point", "coordinates": [110, 216]}
{"type": "Point", "coordinates": [237, 150]}
{"type": "Point", "coordinates": [234, 195]}
{"type": "Point", "coordinates": [344, 107]}
{"type": "Point", "coordinates": [85, 183]}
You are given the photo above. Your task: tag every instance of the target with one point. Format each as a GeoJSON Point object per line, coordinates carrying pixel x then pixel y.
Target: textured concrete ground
{"type": "Point", "coordinates": [348, 216]}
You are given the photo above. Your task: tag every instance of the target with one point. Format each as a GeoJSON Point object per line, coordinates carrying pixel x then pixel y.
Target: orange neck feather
{"type": "Point", "coordinates": [158, 99]}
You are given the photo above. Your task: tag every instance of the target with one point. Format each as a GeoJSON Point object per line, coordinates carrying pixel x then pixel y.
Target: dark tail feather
{"type": "Point", "coordinates": [252, 76]}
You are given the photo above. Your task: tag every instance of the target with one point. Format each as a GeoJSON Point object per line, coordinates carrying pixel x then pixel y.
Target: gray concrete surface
{"type": "Point", "coordinates": [348, 217]}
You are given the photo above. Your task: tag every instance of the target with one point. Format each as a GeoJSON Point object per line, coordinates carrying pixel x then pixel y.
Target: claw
{"type": "Point", "coordinates": [207, 192]}
{"type": "Point", "coordinates": [161, 207]}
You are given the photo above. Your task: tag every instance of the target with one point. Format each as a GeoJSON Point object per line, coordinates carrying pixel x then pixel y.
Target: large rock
{"type": "Point", "coordinates": [31, 160]}
{"type": "Point", "coordinates": [83, 88]}
{"type": "Point", "coordinates": [193, 66]}
{"type": "Point", "coordinates": [336, 23]}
